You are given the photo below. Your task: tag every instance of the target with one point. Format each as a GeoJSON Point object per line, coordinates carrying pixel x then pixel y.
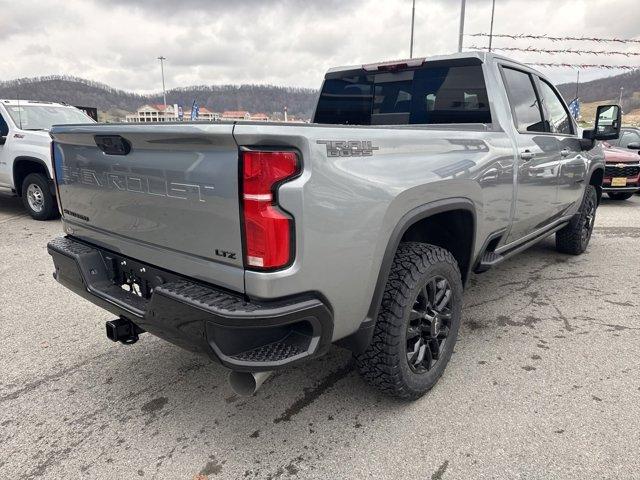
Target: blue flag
{"type": "Point", "coordinates": [574, 108]}
{"type": "Point", "coordinates": [195, 109]}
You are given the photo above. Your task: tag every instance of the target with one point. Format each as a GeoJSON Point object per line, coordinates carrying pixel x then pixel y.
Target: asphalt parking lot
{"type": "Point", "coordinates": [544, 383]}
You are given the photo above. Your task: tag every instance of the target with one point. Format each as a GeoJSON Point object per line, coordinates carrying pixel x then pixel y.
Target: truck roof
{"type": "Point", "coordinates": [482, 56]}
{"type": "Point", "coordinates": [32, 102]}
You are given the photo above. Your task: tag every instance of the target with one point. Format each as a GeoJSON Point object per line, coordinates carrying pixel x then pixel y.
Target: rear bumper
{"type": "Point", "coordinates": [242, 335]}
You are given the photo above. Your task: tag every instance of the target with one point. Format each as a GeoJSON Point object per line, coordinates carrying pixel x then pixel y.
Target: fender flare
{"type": "Point", "coordinates": [592, 171]}
{"type": "Point", "coordinates": [359, 340]}
{"type": "Point", "coordinates": [26, 158]}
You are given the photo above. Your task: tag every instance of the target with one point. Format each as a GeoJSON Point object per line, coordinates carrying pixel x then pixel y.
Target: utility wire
{"type": "Point", "coordinates": [556, 51]}
{"type": "Point", "coordinates": [586, 65]}
{"type": "Point", "coordinates": [555, 39]}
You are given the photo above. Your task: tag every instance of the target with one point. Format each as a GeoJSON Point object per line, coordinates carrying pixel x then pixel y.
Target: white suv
{"type": "Point", "coordinates": [25, 151]}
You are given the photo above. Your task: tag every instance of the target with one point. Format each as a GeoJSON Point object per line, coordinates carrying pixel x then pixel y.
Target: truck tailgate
{"type": "Point", "coordinates": [171, 201]}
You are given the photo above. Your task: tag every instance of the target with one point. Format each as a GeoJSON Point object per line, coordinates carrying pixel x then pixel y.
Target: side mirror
{"type": "Point", "coordinates": [3, 140]}
{"type": "Point", "coordinates": [608, 123]}
{"type": "Point", "coordinates": [634, 146]}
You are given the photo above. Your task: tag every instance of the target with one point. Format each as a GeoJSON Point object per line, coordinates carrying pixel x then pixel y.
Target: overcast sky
{"type": "Point", "coordinates": [282, 42]}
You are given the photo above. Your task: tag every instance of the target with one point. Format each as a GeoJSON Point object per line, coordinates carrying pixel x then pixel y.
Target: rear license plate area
{"type": "Point", "coordinates": [134, 277]}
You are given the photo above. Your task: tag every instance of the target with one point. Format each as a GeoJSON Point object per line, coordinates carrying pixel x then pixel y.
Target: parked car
{"type": "Point", "coordinates": [25, 151]}
{"type": "Point", "coordinates": [622, 172]}
{"type": "Point", "coordinates": [259, 244]}
{"type": "Point", "coordinates": [629, 138]}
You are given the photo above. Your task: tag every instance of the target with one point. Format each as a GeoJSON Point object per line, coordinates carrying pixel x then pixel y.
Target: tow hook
{"type": "Point", "coordinates": [123, 330]}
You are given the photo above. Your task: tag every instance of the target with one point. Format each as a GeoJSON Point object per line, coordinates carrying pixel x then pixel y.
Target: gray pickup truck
{"type": "Point", "coordinates": [261, 244]}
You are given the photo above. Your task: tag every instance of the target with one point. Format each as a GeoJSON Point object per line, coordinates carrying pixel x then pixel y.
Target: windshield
{"type": "Point", "coordinates": [42, 117]}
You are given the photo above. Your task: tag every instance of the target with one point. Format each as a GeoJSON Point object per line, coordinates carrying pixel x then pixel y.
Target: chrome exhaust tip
{"type": "Point", "coordinates": [246, 384]}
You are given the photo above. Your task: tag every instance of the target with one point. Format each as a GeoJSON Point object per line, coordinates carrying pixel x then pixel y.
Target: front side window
{"type": "Point", "coordinates": [4, 128]}
{"type": "Point", "coordinates": [558, 117]}
{"type": "Point", "coordinates": [524, 102]}
{"type": "Point", "coordinates": [629, 137]}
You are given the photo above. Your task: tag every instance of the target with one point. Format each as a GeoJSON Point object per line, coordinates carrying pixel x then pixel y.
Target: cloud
{"type": "Point", "coordinates": [285, 42]}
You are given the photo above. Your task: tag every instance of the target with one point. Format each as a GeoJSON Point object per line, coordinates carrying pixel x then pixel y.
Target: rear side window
{"type": "Point", "coordinates": [429, 95]}
{"type": "Point", "coordinates": [524, 101]}
{"type": "Point", "coordinates": [558, 117]}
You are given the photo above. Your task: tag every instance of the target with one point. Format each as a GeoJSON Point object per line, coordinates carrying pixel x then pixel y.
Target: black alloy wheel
{"type": "Point", "coordinates": [429, 324]}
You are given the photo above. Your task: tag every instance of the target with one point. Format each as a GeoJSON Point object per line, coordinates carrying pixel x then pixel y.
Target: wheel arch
{"type": "Point", "coordinates": [595, 179]}
{"type": "Point", "coordinates": [414, 225]}
{"type": "Point", "coordinates": [23, 166]}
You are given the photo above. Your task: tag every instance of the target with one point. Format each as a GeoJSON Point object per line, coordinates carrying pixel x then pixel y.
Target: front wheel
{"type": "Point", "coordinates": [574, 237]}
{"type": "Point", "coordinates": [418, 323]}
{"type": "Point", "coordinates": [37, 197]}
{"type": "Point", "coordinates": [619, 195]}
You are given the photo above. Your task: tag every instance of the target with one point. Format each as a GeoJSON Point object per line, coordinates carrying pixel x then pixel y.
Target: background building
{"type": "Point", "coordinates": [154, 113]}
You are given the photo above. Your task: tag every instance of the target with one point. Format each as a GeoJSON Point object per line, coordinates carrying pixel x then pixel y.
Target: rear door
{"type": "Point", "coordinates": [538, 157]}
{"type": "Point", "coordinates": [171, 201]}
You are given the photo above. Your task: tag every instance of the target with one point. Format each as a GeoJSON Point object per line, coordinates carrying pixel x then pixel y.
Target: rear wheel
{"type": "Point", "coordinates": [574, 238]}
{"type": "Point", "coordinates": [37, 197]}
{"type": "Point", "coordinates": [418, 323]}
{"type": "Point", "coordinates": [619, 195]}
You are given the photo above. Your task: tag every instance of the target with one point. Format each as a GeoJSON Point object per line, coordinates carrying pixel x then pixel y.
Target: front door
{"type": "Point", "coordinates": [573, 164]}
{"type": "Point", "coordinates": [538, 159]}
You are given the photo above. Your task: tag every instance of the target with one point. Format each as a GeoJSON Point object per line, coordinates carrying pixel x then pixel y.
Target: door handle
{"type": "Point", "coordinates": [565, 152]}
{"type": "Point", "coordinates": [527, 155]}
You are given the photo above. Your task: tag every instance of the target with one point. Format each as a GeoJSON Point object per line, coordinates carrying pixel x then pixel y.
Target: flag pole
{"type": "Point", "coordinates": [493, 9]}
{"type": "Point", "coordinates": [461, 33]}
{"type": "Point", "coordinates": [413, 17]}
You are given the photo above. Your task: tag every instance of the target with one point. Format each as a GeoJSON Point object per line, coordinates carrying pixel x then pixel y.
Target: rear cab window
{"type": "Point", "coordinates": [437, 92]}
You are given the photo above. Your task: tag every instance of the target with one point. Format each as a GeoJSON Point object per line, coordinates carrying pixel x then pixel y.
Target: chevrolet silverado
{"type": "Point", "coordinates": [261, 244]}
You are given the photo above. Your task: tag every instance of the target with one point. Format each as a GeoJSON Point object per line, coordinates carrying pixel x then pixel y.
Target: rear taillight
{"type": "Point", "coordinates": [55, 160]}
{"type": "Point", "coordinates": [268, 231]}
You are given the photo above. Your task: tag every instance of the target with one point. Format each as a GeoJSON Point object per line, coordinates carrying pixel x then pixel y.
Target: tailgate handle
{"type": "Point", "coordinates": [113, 144]}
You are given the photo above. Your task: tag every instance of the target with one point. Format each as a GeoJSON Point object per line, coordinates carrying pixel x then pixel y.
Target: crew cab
{"type": "Point", "coordinates": [25, 151]}
{"type": "Point", "coordinates": [261, 244]}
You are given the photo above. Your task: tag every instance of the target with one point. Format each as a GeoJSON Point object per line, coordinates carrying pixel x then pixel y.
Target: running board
{"type": "Point", "coordinates": [491, 259]}
{"type": "Point", "coordinates": [488, 260]}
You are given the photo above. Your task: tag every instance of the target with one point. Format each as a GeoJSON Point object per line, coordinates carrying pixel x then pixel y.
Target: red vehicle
{"type": "Point", "coordinates": [622, 172]}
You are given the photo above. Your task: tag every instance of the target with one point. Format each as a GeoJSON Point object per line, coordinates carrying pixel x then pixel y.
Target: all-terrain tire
{"type": "Point", "coordinates": [385, 363]}
{"type": "Point", "coordinates": [574, 237]}
{"type": "Point", "coordinates": [37, 197]}
{"type": "Point", "coordinates": [620, 195]}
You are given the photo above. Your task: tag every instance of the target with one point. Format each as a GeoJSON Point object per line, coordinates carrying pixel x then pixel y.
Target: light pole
{"type": "Point", "coordinates": [164, 93]}
{"type": "Point", "coordinates": [493, 9]}
{"type": "Point", "coordinates": [413, 17]}
{"type": "Point", "coordinates": [620, 98]}
{"type": "Point", "coordinates": [462, 5]}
